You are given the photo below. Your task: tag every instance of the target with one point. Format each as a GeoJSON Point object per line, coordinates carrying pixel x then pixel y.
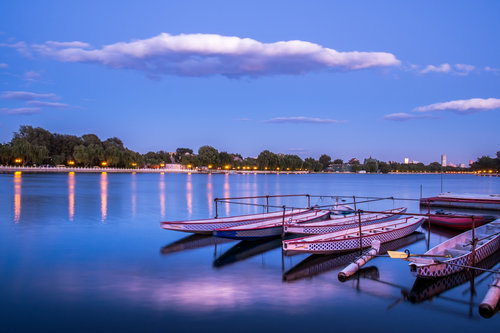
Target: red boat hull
{"type": "Point", "coordinates": [460, 222]}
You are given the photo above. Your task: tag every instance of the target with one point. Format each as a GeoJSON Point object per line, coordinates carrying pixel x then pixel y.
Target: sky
{"type": "Point", "coordinates": [387, 79]}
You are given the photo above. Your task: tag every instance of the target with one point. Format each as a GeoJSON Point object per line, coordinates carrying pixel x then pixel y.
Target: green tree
{"type": "Point", "coordinates": [6, 154]}
{"type": "Point", "coordinates": [292, 162]}
{"type": "Point", "coordinates": [267, 160]}
{"type": "Point", "coordinates": [35, 136]}
{"type": "Point", "coordinates": [370, 164]}
{"type": "Point", "coordinates": [29, 153]}
{"type": "Point", "coordinates": [113, 156]}
{"type": "Point", "coordinates": [312, 165]}
{"type": "Point", "coordinates": [208, 155]}
{"type": "Point", "coordinates": [91, 139]}
{"type": "Point", "coordinates": [82, 155]}
{"type": "Point", "coordinates": [113, 142]}
{"type": "Point", "coordinates": [384, 167]}
{"type": "Point", "coordinates": [338, 161]}
{"type": "Point", "coordinates": [225, 159]}
{"type": "Point", "coordinates": [325, 161]}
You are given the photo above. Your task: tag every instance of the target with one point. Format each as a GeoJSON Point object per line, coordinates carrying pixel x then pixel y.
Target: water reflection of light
{"type": "Point", "coordinates": [210, 194]}
{"type": "Point", "coordinates": [71, 195]}
{"type": "Point", "coordinates": [17, 196]}
{"type": "Point", "coordinates": [227, 194]}
{"type": "Point", "coordinates": [133, 193]}
{"type": "Point", "coordinates": [104, 196]}
{"type": "Point", "coordinates": [162, 194]}
{"type": "Point", "coordinates": [189, 194]}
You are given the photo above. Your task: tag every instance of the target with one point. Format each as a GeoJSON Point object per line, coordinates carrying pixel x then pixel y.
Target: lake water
{"type": "Point", "coordinates": [85, 253]}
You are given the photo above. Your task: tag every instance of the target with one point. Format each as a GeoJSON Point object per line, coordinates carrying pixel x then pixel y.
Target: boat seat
{"type": "Point", "coordinates": [455, 252]}
{"type": "Point", "coordinates": [463, 247]}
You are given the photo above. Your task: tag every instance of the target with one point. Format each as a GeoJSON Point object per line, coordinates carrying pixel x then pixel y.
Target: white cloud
{"type": "Point", "coordinates": [297, 150]}
{"type": "Point", "coordinates": [211, 54]}
{"type": "Point", "coordinates": [456, 69]}
{"type": "Point", "coordinates": [463, 106]}
{"type": "Point", "coordinates": [21, 47]}
{"type": "Point", "coordinates": [301, 120]}
{"type": "Point", "coordinates": [492, 70]}
{"type": "Point", "coordinates": [23, 111]}
{"type": "Point", "coordinates": [25, 95]}
{"type": "Point", "coordinates": [74, 44]}
{"type": "Point", "coordinates": [3, 65]}
{"type": "Point", "coordinates": [31, 76]}
{"type": "Point", "coordinates": [464, 69]}
{"type": "Point", "coordinates": [443, 68]}
{"type": "Point", "coordinates": [54, 105]}
{"type": "Point", "coordinates": [405, 116]}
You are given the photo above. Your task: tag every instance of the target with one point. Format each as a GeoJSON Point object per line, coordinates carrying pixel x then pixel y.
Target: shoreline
{"type": "Point", "coordinates": [27, 169]}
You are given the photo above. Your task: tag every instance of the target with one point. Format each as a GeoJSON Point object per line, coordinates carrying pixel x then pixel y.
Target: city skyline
{"type": "Point", "coordinates": [343, 79]}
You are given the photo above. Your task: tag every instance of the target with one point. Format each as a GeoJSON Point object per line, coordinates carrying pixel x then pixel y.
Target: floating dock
{"type": "Point", "coordinates": [467, 201]}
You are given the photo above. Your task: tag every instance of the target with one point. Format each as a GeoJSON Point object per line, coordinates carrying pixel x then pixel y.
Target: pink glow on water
{"type": "Point", "coordinates": [17, 196]}
{"type": "Point", "coordinates": [71, 195]}
{"type": "Point", "coordinates": [104, 196]}
{"type": "Point", "coordinates": [162, 195]}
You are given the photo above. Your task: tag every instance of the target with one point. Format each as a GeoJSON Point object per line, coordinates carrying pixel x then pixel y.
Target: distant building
{"type": "Point", "coordinates": [470, 162]}
{"type": "Point", "coordinates": [462, 165]}
{"type": "Point", "coordinates": [407, 160]}
{"type": "Point", "coordinates": [443, 160]}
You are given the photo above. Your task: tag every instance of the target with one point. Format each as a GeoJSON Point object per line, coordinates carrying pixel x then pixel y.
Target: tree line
{"type": "Point", "coordinates": [37, 146]}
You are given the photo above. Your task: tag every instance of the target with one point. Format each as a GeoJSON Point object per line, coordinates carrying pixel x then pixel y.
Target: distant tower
{"type": "Point", "coordinates": [407, 160]}
{"type": "Point", "coordinates": [443, 160]}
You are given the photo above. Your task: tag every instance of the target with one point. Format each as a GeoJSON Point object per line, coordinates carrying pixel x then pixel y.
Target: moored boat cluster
{"type": "Point", "coordinates": [324, 231]}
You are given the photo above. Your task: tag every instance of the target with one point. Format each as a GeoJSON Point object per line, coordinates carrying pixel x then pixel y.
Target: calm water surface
{"type": "Point", "coordinates": [85, 253]}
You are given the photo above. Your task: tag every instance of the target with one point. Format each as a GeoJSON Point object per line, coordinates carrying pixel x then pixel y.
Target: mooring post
{"type": "Point", "coordinates": [267, 203]}
{"type": "Point", "coordinates": [283, 224]}
{"type": "Point", "coordinates": [428, 226]}
{"type": "Point", "coordinates": [216, 212]}
{"type": "Point", "coordinates": [420, 191]}
{"type": "Point", "coordinates": [360, 234]}
{"type": "Point", "coordinates": [308, 201]}
{"type": "Point", "coordinates": [441, 180]}
{"type": "Point", "coordinates": [474, 241]}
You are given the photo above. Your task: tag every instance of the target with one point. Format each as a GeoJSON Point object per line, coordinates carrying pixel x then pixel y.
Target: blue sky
{"type": "Point", "coordinates": [390, 79]}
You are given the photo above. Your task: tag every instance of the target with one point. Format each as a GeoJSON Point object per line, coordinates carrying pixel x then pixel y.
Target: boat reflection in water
{"type": "Point", "coordinates": [426, 289]}
{"type": "Point", "coordinates": [317, 264]}
{"type": "Point", "coordinates": [247, 249]}
{"type": "Point", "coordinates": [192, 242]}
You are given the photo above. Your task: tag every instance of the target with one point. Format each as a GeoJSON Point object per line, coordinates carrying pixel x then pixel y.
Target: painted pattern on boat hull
{"type": "Point", "coordinates": [310, 229]}
{"type": "Point", "coordinates": [453, 265]}
{"type": "Point", "coordinates": [350, 243]}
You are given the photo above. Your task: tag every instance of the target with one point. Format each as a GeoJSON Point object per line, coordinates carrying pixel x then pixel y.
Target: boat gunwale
{"type": "Point", "coordinates": [462, 238]}
{"type": "Point", "coordinates": [344, 223]}
{"type": "Point", "coordinates": [248, 217]}
{"type": "Point", "coordinates": [270, 225]}
{"type": "Point", "coordinates": [302, 240]}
